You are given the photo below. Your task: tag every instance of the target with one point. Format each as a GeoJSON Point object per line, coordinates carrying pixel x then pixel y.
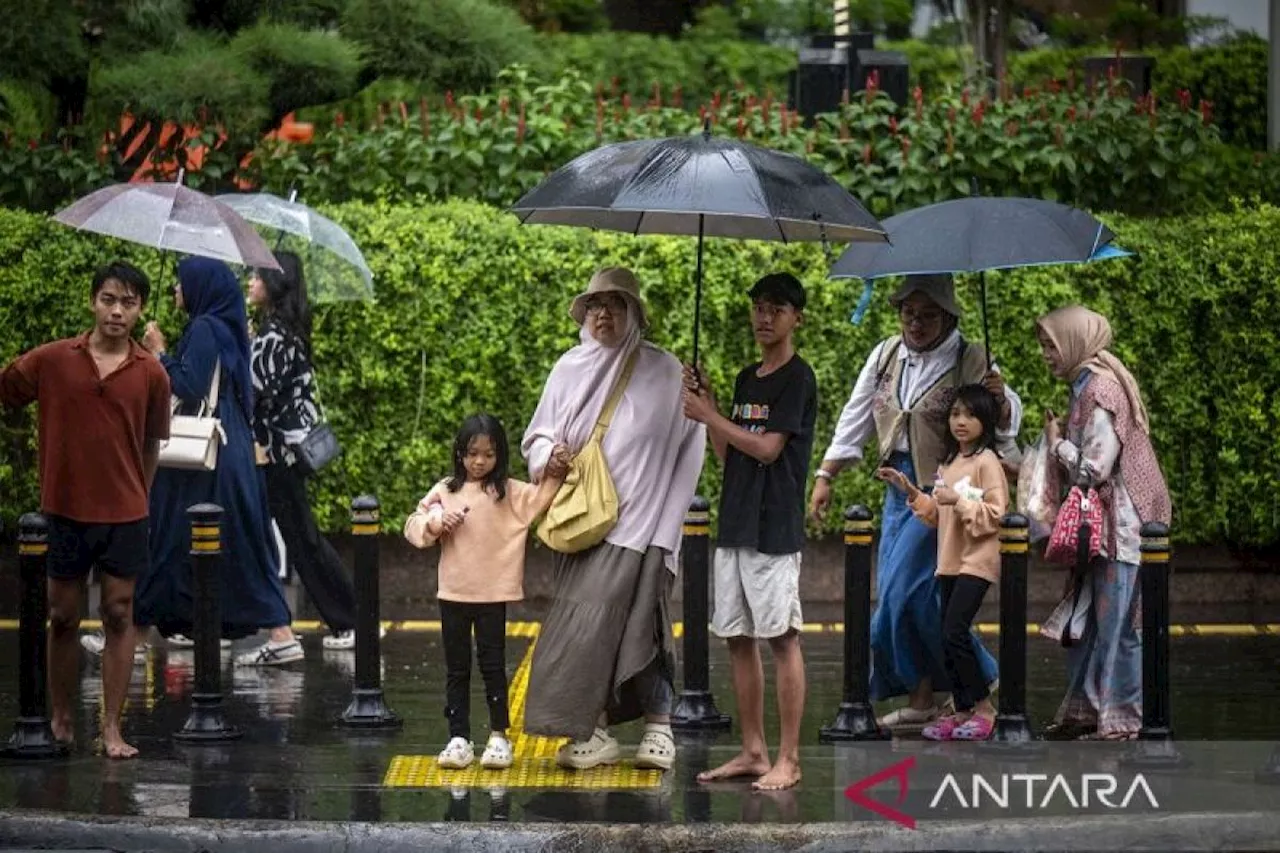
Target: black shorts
{"type": "Point", "coordinates": [120, 550]}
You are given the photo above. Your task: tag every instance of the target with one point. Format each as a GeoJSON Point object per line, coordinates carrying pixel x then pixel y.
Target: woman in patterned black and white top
{"type": "Point", "coordinates": [285, 411]}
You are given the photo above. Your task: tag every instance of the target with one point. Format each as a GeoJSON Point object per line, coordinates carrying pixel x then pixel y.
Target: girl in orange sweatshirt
{"type": "Point", "coordinates": [969, 497]}
{"type": "Point", "coordinates": [481, 519]}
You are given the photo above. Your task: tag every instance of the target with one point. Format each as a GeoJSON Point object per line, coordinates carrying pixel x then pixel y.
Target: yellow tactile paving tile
{"type": "Point", "coordinates": [535, 765]}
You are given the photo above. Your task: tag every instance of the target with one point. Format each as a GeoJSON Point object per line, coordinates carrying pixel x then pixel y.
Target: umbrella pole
{"type": "Point", "coordinates": [986, 323]}
{"type": "Point", "coordinates": [697, 300]}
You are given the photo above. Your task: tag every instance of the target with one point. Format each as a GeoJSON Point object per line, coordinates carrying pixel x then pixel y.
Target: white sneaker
{"type": "Point", "coordinates": [497, 753]}
{"type": "Point", "coordinates": [182, 641]}
{"type": "Point", "coordinates": [346, 639]}
{"type": "Point", "coordinates": [458, 754]}
{"type": "Point", "coordinates": [272, 654]}
{"type": "Point", "coordinates": [96, 643]}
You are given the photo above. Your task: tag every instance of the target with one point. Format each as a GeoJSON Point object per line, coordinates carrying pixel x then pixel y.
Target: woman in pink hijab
{"type": "Point", "coordinates": [604, 654]}
{"type": "Point", "coordinates": [1105, 443]}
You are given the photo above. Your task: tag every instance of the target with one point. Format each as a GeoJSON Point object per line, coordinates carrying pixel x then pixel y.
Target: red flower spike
{"type": "Point", "coordinates": [893, 125]}
{"type": "Point", "coordinates": [448, 98]}
{"type": "Point", "coordinates": [866, 154]}
{"type": "Point", "coordinates": [404, 113]}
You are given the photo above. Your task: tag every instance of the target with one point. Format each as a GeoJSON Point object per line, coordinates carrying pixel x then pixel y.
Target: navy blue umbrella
{"type": "Point", "coordinates": [699, 185]}
{"type": "Point", "coordinates": [974, 235]}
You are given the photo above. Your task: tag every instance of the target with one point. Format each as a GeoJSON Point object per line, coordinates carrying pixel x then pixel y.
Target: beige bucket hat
{"type": "Point", "coordinates": [611, 280]}
{"type": "Point", "coordinates": [939, 287]}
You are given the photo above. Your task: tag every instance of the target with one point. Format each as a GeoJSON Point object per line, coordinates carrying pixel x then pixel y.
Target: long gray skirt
{"type": "Point", "coordinates": [609, 622]}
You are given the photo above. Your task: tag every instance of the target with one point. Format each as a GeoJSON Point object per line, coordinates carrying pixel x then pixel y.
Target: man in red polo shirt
{"type": "Point", "coordinates": [104, 409]}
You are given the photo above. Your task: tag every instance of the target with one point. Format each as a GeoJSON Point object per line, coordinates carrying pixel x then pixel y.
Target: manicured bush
{"type": "Point", "coordinates": [304, 67]}
{"type": "Point", "coordinates": [471, 314]}
{"type": "Point", "coordinates": [460, 44]}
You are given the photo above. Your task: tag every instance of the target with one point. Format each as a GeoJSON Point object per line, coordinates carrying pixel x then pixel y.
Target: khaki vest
{"type": "Point", "coordinates": [927, 421]}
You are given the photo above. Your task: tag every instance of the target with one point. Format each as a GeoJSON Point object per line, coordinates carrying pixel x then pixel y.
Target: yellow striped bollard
{"type": "Point", "coordinates": [856, 719]}
{"type": "Point", "coordinates": [1013, 726]}
{"type": "Point", "coordinates": [205, 723]}
{"type": "Point", "coordinates": [368, 708]}
{"type": "Point", "coordinates": [695, 707]}
{"type": "Point", "coordinates": [1156, 748]}
{"type": "Point", "coordinates": [32, 735]}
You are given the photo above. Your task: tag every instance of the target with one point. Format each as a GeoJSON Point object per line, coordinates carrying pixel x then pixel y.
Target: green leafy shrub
{"type": "Point", "coordinates": [1232, 76]}
{"type": "Point", "coordinates": [563, 16]}
{"type": "Point", "coordinates": [304, 67]}
{"type": "Point", "coordinates": [471, 314]}
{"type": "Point", "coordinates": [451, 44]}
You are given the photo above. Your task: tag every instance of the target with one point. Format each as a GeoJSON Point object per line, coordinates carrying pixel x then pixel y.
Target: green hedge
{"type": "Point", "coordinates": [471, 314]}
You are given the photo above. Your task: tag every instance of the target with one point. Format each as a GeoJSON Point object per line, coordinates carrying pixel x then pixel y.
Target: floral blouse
{"type": "Point", "coordinates": [285, 408]}
{"type": "Point", "coordinates": [1100, 446]}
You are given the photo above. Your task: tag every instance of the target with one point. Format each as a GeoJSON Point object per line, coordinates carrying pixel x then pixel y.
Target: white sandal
{"type": "Point", "coordinates": [657, 750]}
{"type": "Point", "coordinates": [457, 755]}
{"type": "Point", "coordinates": [599, 749]}
{"type": "Point", "coordinates": [908, 716]}
{"type": "Point", "coordinates": [497, 753]}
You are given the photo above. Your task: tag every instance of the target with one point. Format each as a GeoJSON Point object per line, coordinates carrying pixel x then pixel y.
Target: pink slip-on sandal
{"type": "Point", "coordinates": [942, 729]}
{"type": "Point", "coordinates": [974, 728]}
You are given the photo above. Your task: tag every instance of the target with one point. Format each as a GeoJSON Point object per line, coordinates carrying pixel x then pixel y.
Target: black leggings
{"type": "Point", "coordinates": [490, 622]}
{"type": "Point", "coordinates": [961, 597]}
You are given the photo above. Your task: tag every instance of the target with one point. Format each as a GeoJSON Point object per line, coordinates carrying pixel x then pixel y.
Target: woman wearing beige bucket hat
{"type": "Point", "coordinates": [902, 400]}
{"type": "Point", "coordinates": [605, 653]}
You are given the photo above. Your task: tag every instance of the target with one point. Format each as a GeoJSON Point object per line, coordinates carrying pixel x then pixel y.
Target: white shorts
{"type": "Point", "coordinates": [756, 595]}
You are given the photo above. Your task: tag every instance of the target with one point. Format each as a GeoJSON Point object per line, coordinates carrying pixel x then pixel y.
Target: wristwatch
{"type": "Point", "coordinates": [823, 474]}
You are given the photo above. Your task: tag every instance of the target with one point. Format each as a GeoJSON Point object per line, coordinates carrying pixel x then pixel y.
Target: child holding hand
{"type": "Point", "coordinates": [969, 498]}
{"type": "Point", "coordinates": [481, 519]}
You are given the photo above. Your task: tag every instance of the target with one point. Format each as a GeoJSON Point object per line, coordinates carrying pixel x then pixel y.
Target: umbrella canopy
{"type": "Point", "coordinates": [977, 234]}
{"type": "Point", "coordinates": [170, 217]}
{"type": "Point", "coordinates": [699, 185]}
{"type": "Point", "coordinates": [336, 268]}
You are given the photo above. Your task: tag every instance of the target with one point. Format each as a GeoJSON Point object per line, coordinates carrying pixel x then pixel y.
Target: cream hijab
{"type": "Point", "coordinates": [1082, 337]}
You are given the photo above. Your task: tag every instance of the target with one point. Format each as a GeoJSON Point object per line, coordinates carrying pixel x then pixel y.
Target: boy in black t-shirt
{"type": "Point", "coordinates": [765, 445]}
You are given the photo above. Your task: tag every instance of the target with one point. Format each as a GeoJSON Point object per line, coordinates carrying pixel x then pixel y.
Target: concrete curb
{"type": "Point", "coordinates": [1207, 831]}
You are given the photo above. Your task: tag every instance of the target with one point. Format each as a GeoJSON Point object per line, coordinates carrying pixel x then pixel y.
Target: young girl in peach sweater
{"type": "Point", "coordinates": [481, 519]}
{"type": "Point", "coordinates": [970, 496]}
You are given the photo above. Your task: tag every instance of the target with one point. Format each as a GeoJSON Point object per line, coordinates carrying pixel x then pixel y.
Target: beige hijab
{"type": "Point", "coordinates": [1082, 337]}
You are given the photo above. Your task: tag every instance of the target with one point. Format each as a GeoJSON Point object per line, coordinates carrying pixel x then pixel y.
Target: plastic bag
{"type": "Point", "coordinates": [1035, 500]}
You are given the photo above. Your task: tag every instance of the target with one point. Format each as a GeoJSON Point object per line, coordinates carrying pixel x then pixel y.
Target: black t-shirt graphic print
{"type": "Point", "coordinates": [762, 506]}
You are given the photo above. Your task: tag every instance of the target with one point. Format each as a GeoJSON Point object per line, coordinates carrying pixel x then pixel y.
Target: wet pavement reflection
{"type": "Point", "coordinates": [295, 764]}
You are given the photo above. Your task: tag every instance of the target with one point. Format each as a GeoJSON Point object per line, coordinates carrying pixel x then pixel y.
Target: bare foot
{"type": "Point", "coordinates": [64, 730]}
{"type": "Point", "coordinates": [116, 747]}
{"type": "Point", "coordinates": [742, 764]}
{"type": "Point", "coordinates": [785, 774]}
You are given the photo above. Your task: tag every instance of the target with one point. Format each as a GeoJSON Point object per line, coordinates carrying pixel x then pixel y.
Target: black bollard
{"type": "Point", "coordinates": [856, 718]}
{"type": "Point", "coordinates": [696, 708]}
{"type": "Point", "coordinates": [1013, 732]}
{"type": "Point", "coordinates": [368, 708]}
{"type": "Point", "coordinates": [206, 723]}
{"type": "Point", "coordinates": [32, 735]}
{"type": "Point", "coordinates": [1155, 748]}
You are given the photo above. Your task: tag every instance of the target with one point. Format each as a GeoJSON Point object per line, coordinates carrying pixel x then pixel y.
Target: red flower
{"type": "Point", "coordinates": [626, 103]}
{"type": "Point", "coordinates": [339, 120]}
{"type": "Point", "coordinates": [479, 115]}
{"type": "Point", "coordinates": [893, 125]}
{"type": "Point", "coordinates": [1054, 86]}
{"type": "Point", "coordinates": [448, 98]}
{"type": "Point", "coordinates": [742, 127]}
{"type": "Point", "coordinates": [866, 154]}
{"type": "Point", "coordinates": [951, 115]}
{"type": "Point", "coordinates": [786, 119]}
{"type": "Point", "coordinates": [844, 131]}
{"type": "Point", "coordinates": [951, 142]}
{"type": "Point", "coordinates": [404, 113]}
{"type": "Point", "coordinates": [504, 106]}
{"type": "Point", "coordinates": [979, 112]}
{"type": "Point", "coordinates": [964, 98]}
{"type": "Point", "coordinates": [1206, 111]}
{"type": "Point", "coordinates": [918, 95]}
{"type": "Point", "coordinates": [1184, 99]}
{"type": "Point", "coordinates": [1071, 113]}
{"type": "Point", "coordinates": [906, 148]}
{"type": "Point", "coordinates": [32, 145]}
{"type": "Point", "coordinates": [677, 96]}
{"type": "Point", "coordinates": [1011, 128]}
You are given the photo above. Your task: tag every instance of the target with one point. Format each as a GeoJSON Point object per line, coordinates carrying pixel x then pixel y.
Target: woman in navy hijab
{"type": "Point", "coordinates": [252, 597]}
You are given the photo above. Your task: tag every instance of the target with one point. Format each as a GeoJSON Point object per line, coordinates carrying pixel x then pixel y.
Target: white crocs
{"type": "Point", "coordinates": [457, 755]}
{"type": "Point", "coordinates": [657, 750]}
{"type": "Point", "coordinates": [599, 749]}
{"type": "Point", "coordinates": [497, 753]}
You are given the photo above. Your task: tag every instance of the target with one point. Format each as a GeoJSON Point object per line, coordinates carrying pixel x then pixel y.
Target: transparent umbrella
{"type": "Point", "coordinates": [172, 218]}
{"type": "Point", "coordinates": [336, 269]}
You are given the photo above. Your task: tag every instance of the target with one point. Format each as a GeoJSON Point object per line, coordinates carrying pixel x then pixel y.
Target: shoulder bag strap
{"type": "Point", "coordinates": [615, 396]}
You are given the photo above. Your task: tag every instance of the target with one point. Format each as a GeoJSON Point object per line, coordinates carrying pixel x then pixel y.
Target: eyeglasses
{"type": "Point", "coordinates": [612, 304]}
{"type": "Point", "coordinates": [924, 318]}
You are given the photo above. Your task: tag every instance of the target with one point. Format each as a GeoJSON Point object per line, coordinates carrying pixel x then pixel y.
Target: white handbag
{"type": "Point", "coordinates": [194, 439]}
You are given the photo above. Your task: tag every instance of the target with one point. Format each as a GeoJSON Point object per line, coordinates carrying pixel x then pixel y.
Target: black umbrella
{"type": "Point", "coordinates": [977, 234]}
{"type": "Point", "coordinates": [711, 187]}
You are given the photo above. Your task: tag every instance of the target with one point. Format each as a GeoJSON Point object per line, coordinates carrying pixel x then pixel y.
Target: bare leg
{"type": "Point", "coordinates": [748, 687]}
{"type": "Point", "coordinates": [921, 699]}
{"type": "Point", "coordinates": [283, 634]}
{"type": "Point", "coordinates": [64, 654]}
{"type": "Point", "coordinates": [789, 661]}
{"type": "Point", "coordinates": [117, 661]}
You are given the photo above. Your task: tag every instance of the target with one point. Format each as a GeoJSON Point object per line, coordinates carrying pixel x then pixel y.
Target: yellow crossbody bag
{"type": "Point", "coordinates": [585, 508]}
